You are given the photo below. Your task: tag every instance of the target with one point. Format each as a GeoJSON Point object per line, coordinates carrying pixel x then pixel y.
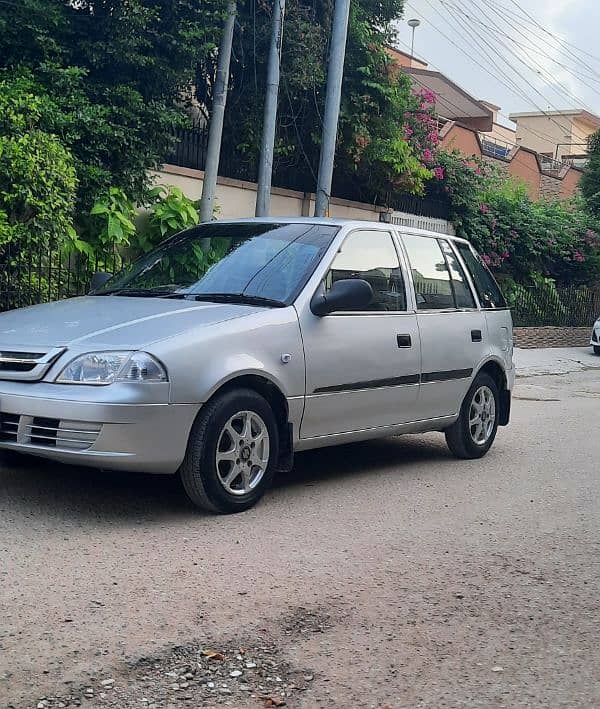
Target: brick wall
{"type": "Point", "coordinates": [529, 337]}
{"type": "Point", "coordinates": [550, 187]}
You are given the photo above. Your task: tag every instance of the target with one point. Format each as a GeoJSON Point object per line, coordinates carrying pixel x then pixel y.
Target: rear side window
{"type": "Point", "coordinates": [462, 291]}
{"type": "Point", "coordinates": [430, 273]}
{"type": "Point", "coordinates": [490, 295]}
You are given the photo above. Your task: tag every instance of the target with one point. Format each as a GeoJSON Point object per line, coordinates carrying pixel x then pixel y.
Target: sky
{"type": "Point", "coordinates": [522, 55]}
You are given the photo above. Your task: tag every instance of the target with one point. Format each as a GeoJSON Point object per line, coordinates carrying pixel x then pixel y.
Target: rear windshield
{"type": "Point", "coordinates": [490, 295]}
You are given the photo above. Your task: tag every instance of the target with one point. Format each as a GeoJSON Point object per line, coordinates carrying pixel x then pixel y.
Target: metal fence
{"type": "Point", "coordinates": [39, 273]}
{"type": "Point", "coordinates": [190, 151]}
{"type": "Point", "coordinates": [561, 307]}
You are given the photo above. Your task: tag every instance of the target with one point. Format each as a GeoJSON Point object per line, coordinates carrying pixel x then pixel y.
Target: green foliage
{"type": "Point", "coordinates": [519, 237]}
{"type": "Point", "coordinates": [37, 186]}
{"type": "Point", "coordinates": [117, 72]}
{"type": "Point", "coordinates": [590, 180]}
{"type": "Point", "coordinates": [374, 155]}
{"type": "Point", "coordinates": [170, 212]}
{"type": "Point", "coordinates": [114, 216]}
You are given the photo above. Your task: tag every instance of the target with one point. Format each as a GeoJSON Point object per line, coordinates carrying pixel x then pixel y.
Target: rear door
{"type": "Point", "coordinates": [452, 328]}
{"type": "Point", "coordinates": [362, 367]}
{"type": "Point", "coordinates": [497, 314]}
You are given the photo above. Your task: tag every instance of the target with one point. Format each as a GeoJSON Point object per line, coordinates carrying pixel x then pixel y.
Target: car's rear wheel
{"type": "Point", "coordinates": [596, 349]}
{"type": "Point", "coordinates": [472, 435]}
{"type": "Point", "coordinates": [232, 453]}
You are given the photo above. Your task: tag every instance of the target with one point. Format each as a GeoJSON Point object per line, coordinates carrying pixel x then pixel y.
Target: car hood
{"type": "Point", "coordinates": [109, 321]}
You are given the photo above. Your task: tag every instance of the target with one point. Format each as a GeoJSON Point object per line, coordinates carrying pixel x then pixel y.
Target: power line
{"type": "Point", "coordinates": [524, 47]}
{"type": "Point", "coordinates": [493, 59]}
{"type": "Point", "coordinates": [564, 92]}
{"type": "Point", "coordinates": [557, 38]}
{"type": "Point", "coordinates": [537, 133]}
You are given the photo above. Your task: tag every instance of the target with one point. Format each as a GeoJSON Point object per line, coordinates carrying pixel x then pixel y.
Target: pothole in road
{"type": "Point", "coordinates": [250, 673]}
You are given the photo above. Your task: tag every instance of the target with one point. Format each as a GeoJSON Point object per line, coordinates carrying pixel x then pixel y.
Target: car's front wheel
{"type": "Point", "coordinates": [232, 452]}
{"type": "Point", "coordinates": [472, 435]}
{"type": "Point", "coordinates": [596, 350]}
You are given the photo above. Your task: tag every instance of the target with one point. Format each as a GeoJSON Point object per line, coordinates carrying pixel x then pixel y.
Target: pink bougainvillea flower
{"type": "Point", "coordinates": [428, 96]}
{"type": "Point", "coordinates": [505, 255]}
{"type": "Point", "coordinates": [579, 257]}
{"type": "Point", "coordinates": [484, 208]}
{"type": "Point", "coordinates": [438, 173]}
{"type": "Point", "coordinates": [427, 155]}
{"type": "Point", "coordinates": [487, 260]}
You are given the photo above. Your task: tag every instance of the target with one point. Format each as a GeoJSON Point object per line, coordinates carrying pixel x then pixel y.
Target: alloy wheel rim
{"type": "Point", "coordinates": [482, 415]}
{"type": "Point", "coordinates": [242, 455]}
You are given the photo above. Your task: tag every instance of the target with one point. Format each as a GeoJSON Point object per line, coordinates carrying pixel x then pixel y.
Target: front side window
{"type": "Point", "coordinates": [431, 277]}
{"type": "Point", "coordinates": [490, 295]}
{"type": "Point", "coordinates": [371, 256]}
{"type": "Point", "coordinates": [221, 261]}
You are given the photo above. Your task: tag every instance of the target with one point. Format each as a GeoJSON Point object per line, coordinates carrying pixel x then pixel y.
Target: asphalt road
{"type": "Point", "coordinates": [384, 574]}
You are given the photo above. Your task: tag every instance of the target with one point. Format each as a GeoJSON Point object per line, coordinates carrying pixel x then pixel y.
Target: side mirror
{"type": "Point", "coordinates": [346, 294]}
{"type": "Point", "coordinates": [99, 279]}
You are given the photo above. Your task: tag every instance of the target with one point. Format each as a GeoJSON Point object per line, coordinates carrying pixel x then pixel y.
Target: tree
{"type": "Point", "coordinates": [374, 155]}
{"type": "Point", "coordinates": [39, 183]}
{"type": "Point", "coordinates": [116, 71]}
{"type": "Point", "coordinates": [590, 180]}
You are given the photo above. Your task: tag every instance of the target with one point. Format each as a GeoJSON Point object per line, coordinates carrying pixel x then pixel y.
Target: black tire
{"type": "Point", "coordinates": [458, 436]}
{"type": "Point", "coordinates": [596, 349]}
{"type": "Point", "coordinates": [199, 471]}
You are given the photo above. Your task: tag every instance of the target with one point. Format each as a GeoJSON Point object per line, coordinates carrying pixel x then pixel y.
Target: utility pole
{"type": "Point", "coordinates": [335, 74]}
{"type": "Point", "coordinates": [215, 131]}
{"type": "Point", "coordinates": [265, 167]}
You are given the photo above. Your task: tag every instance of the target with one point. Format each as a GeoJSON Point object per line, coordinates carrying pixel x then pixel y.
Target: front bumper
{"type": "Point", "coordinates": [595, 338]}
{"type": "Point", "coordinates": [65, 424]}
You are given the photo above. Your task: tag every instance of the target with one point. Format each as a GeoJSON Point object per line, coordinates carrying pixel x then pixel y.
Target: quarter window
{"type": "Point", "coordinates": [490, 295]}
{"type": "Point", "coordinates": [372, 256]}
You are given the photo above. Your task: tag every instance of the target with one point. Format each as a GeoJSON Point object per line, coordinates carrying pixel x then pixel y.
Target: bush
{"type": "Point", "coordinates": [517, 236]}
{"type": "Point", "coordinates": [39, 186]}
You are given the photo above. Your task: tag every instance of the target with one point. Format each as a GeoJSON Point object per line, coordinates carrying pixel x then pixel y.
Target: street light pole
{"type": "Point", "coordinates": [414, 23]}
{"type": "Point", "coordinates": [335, 74]}
{"type": "Point", "coordinates": [265, 166]}
{"type": "Point", "coordinates": [215, 131]}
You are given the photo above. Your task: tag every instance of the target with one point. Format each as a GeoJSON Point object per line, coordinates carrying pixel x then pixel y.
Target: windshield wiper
{"type": "Point", "coordinates": [144, 293]}
{"type": "Point", "coordinates": [238, 298]}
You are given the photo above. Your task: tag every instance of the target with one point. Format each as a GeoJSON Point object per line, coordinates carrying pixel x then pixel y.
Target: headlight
{"type": "Point", "coordinates": [109, 367]}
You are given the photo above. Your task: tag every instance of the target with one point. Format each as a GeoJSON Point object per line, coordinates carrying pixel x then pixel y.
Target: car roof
{"type": "Point", "coordinates": [339, 222]}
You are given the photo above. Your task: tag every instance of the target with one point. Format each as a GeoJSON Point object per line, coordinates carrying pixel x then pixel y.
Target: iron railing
{"type": "Point", "coordinates": [573, 306]}
{"type": "Point", "coordinates": [190, 151]}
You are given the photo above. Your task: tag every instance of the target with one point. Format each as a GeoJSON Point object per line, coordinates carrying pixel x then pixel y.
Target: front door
{"type": "Point", "coordinates": [453, 330]}
{"type": "Point", "coordinates": [362, 368]}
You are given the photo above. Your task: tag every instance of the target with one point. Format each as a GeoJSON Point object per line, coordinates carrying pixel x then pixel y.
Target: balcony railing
{"type": "Point", "coordinates": [494, 148]}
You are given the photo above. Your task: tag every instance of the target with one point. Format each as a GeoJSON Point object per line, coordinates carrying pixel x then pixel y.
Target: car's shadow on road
{"type": "Point", "coordinates": [35, 486]}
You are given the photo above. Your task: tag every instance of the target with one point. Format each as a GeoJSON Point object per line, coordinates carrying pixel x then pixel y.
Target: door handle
{"type": "Point", "coordinates": [404, 340]}
{"type": "Point", "coordinates": [476, 336]}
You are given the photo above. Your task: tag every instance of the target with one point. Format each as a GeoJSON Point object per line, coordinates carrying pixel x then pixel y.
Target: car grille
{"type": "Point", "coordinates": [9, 425]}
{"type": "Point", "coordinates": [47, 432]}
{"type": "Point", "coordinates": [27, 365]}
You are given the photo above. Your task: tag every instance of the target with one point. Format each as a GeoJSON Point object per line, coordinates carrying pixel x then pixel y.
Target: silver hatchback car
{"type": "Point", "coordinates": [235, 344]}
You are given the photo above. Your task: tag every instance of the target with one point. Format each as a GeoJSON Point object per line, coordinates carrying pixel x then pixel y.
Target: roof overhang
{"type": "Point", "coordinates": [453, 102]}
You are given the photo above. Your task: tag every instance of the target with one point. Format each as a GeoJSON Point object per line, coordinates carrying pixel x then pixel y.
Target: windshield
{"type": "Point", "coordinates": [246, 261]}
